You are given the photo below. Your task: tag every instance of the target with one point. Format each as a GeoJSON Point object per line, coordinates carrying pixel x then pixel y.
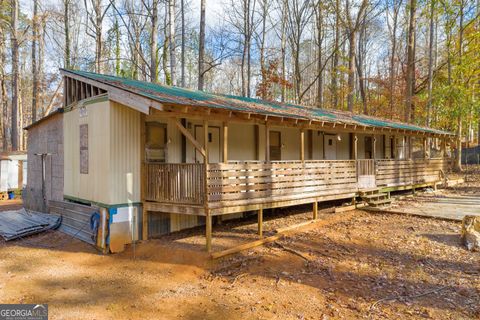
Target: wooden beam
{"type": "Point", "coordinates": [267, 143]}
{"type": "Point", "coordinates": [260, 222]}
{"type": "Point", "coordinates": [302, 145]}
{"type": "Point", "coordinates": [64, 91]}
{"type": "Point", "coordinates": [285, 232]}
{"type": "Point", "coordinates": [225, 142]}
{"type": "Point", "coordinates": [189, 136]}
{"type": "Point", "coordinates": [205, 140]}
{"type": "Point", "coordinates": [199, 113]}
{"type": "Point", "coordinates": [315, 210]}
{"type": "Point", "coordinates": [355, 146]}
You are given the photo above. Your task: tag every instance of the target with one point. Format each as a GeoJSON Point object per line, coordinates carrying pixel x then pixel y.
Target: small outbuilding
{"type": "Point", "coordinates": [13, 171]}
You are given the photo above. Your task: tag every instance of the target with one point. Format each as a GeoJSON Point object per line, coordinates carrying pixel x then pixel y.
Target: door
{"type": "Point", "coordinates": [214, 155]}
{"type": "Point", "coordinates": [275, 139]}
{"type": "Point", "coordinates": [368, 147]}
{"type": "Point", "coordinates": [330, 147]}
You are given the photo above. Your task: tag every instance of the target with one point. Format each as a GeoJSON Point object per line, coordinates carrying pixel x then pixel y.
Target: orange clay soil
{"type": "Point", "coordinates": [373, 266]}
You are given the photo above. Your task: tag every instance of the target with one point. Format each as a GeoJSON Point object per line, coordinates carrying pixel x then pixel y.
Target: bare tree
{"type": "Point", "coordinates": [34, 60]}
{"type": "Point", "coordinates": [410, 72]}
{"type": "Point", "coordinates": [95, 27]}
{"type": "Point", "coordinates": [15, 74]}
{"type": "Point", "coordinates": [172, 42]}
{"type": "Point", "coordinates": [201, 47]}
{"type": "Point", "coordinates": [299, 13]}
{"type": "Point", "coordinates": [182, 53]}
{"type": "Point", "coordinates": [66, 19]}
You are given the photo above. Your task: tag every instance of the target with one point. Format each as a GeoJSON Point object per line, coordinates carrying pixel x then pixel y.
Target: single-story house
{"type": "Point", "coordinates": [155, 159]}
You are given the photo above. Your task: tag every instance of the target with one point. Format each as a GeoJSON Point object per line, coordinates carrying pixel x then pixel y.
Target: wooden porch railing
{"type": "Point", "coordinates": [407, 172]}
{"type": "Point", "coordinates": [239, 184]}
{"type": "Point", "coordinates": [257, 182]}
{"type": "Point", "coordinates": [181, 183]}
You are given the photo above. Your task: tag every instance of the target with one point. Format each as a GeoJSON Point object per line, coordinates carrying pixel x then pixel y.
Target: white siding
{"type": "Point", "coordinates": [113, 154]}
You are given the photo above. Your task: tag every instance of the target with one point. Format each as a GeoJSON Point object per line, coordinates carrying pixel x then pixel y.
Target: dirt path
{"type": "Point", "coordinates": [372, 266]}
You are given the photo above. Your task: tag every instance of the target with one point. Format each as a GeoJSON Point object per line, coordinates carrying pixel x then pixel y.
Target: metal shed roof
{"type": "Point", "coordinates": [180, 96]}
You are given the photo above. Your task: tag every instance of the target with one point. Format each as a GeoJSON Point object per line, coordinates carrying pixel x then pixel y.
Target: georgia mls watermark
{"type": "Point", "coordinates": [23, 312]}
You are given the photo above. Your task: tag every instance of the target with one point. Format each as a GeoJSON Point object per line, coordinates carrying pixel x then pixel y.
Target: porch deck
{"type": "Point", "coordinates": [224, 188]}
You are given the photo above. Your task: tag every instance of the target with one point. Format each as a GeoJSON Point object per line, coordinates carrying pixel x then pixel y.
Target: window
{"type": "Point", "coordinates": [84, 148]}
{"type": "Point", "coordinates": [156, 142]}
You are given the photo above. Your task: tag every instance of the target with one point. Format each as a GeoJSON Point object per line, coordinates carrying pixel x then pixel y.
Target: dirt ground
{"type": "Point", "coordinates": [369, 265]}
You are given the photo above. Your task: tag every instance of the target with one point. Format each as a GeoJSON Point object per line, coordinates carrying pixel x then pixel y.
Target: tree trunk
{"type": "Point", "coordinates": [263, 70]}
{"type": "Point", "coordinates": [154, 43]}
{"type": "Point", "coordinates": [201, 47]}
{"type": "Point", "coordinates": [171, 24]}
{"type": "Point", "coordinates": [351, 70]}
{"type": "Point", "coordinates": [117, 48]}
{"type": "Point", "coordinates": [410, 74]}
{"type": "Point", "coordinates": [3, 91]}
{"type": "Point", "coordinates": [335, 59]}
{"type": "Point", "coordinates": [15, 75]}
{"type": "Point", "coordinates": [34, 60]}
{"type": "Point", "coordinates": [283, 44]}
{"type": "Point", "coordinates": [66, 20]}
{"type": "Point", "coordinates": [182, 54]}
{"type": "Point", "coordinates": [319, 56]}
{"type": "Point", "coordinates": [393, 75]}
{"type": "Point", "coordinates": [41, 74]}
{"type": "Point", "coordinates": [430, 62]}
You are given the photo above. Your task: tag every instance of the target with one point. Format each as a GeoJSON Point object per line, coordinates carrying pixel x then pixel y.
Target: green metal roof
{"type": "Point", "coordinates": [180, 96]}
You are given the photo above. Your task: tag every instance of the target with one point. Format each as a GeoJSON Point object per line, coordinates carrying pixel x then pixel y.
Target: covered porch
{"type": "Point", "coordinates": [282, 163]}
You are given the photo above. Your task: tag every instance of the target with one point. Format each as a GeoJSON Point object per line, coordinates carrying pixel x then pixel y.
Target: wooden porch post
{"type": "Point", "coordinates": [302, 145]}
{"type": "Point", "coordinates": [205, 139]}
{"type": "Point", "coordinates": [444, 148]}
{"type": "Point", "coordinates": [208, 217]}
{"type": "Point", "coordinates": [315, 210]}
{"type": "Point", "coordinates": [260, 222]}
{"type": "Point", "coordinates": [409, 144]}
{"type": "Point", "coordinates": [225, 142]}
{"type": "Point", "coordinates": [355, 146]}
{"type": "Point", "coordinates": [425, 148]}
{"type": "Point", "coordinates": [374, 147]}
{"type": "Point", "coordinates": [143, 177]}
{"type": "Point", "coordinates": [267, 143]}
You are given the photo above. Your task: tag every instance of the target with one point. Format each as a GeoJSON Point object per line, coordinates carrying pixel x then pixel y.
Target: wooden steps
{"type": "Point", "coordinates": [375, 198]}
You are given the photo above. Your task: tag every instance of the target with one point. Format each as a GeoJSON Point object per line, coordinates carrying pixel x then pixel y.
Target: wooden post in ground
{"type": "Point", "coordinates": [208, 232]}
{"type": "Point", "coordinates": [225, 142]}
{"type": "Point", "coordinates": [260, 222]}
{"type": "Point", "coordinates": [315, 210]}
{"type": "Point", "coordinates": [302, 145]}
